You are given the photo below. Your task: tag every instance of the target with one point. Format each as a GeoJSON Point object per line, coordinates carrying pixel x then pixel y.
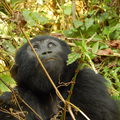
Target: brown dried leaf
{"type": "Point", "coordinates": [115, 44]}
{"type": "Point", "coordinates": [105, 52]}
{"type": "Point", "coordinates": [18, 18]}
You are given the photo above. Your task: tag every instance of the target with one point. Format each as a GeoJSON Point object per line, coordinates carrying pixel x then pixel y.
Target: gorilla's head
{"type": "Point", "coordinates": [28, 72]}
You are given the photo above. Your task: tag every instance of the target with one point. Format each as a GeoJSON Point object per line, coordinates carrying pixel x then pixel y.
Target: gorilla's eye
{"type": "Point", "coordinates": [35, 46]}
{"type": "Point", "coordinates": [51, 45]}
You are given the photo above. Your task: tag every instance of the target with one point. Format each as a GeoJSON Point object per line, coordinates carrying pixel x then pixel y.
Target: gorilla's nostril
{"type": "Point", "coordinates": [44, 53]}
{"type": "Point", "coordinates": [48, 52]}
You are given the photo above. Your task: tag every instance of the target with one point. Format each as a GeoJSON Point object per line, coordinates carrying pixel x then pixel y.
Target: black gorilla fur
{"type": "Point", "coordinates": [90, 93]}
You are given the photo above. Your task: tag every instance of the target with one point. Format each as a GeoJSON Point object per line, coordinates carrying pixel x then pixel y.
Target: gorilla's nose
{"type": "Point", "coordinates": [46, 53]}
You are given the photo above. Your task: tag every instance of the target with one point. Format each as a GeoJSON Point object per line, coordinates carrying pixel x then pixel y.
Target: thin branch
{"type": "Point", "coordinates": [73, 10]}
{"type": "Point", "coordinates": [7, 7]}
{"type": "Point", "coordinates": [87, 118]}
{"type": "Point", "coordinates": [71, 113]}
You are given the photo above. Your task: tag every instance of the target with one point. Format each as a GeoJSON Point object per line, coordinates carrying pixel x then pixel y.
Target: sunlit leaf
{"type": "Point", "coordinates": [95, 47]}
{"type": "Point", "coordinates": [89, 22]}
{"type": "Point", "coordinates": [77, 23]}
{"type": "Point", "coordinates": [67, 10]}
{"type": "Point", "coordinates": [72, 58]}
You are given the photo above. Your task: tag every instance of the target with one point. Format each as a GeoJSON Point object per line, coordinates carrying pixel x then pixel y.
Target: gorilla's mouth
{"type": "Point", "coordinates": [49, 59]}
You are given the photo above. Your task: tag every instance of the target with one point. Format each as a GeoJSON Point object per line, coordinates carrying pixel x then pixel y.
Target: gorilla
{"type": "Point", "coordinates": [89, 94]}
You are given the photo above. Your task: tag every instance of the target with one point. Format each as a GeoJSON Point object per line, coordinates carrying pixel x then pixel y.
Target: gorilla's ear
{"type": "Point", "coordinates": [14, 70]}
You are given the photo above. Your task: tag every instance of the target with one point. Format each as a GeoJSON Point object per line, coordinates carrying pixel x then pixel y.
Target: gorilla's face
{"type": "Point", "coordinates": [50, 53]}
{"type": "Point", "coordinates": [53, 54]}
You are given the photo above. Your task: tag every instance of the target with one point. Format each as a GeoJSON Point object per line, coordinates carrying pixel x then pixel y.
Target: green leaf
{"type": "Point", "coordinates": [115, 35]}
{"type": "Point", "coordinates": [98, 37]}
{"type": "Point", "coordinates": [67, 33]}
{"type": "Point", "coordinates": [28, 17]}
{"type": "Point", "coordinates": [116, 27]}
{"type": "Point", "coordinates": [67, 10]}
{"type": "Point", "coordinates": [77, 23]}
{"type": "Point", "coordinates": [40, 19]}
{"type": "Point", "coordinates": [26, 14]}
{"type": "Point", "coordinates": [78, 43]}
{"type": "Point", "coordinates": [8, 80]}
{"type": "Point", "coordinates": [43, 20]}
{"type": "Point", "coordinates": [93, 29]}
{"type": "Point", "coordinates": [103, 46]}
{"type": "Point", "coordinates": [16, 1]}
{"type": "Point", "coordinates": [106, 31]}
{"type": "Point", "coordinates": [35, 16]}
{"type": "Point", "coordinates": [24, 40]}
{"type": "Point", "coordinates": [84, 45]}
{"type": "Point", "coordinates": [9, 47]}
{"type": "Point", "coordinates": [92, 55]}
{"type": "Point", "coordinates": [89, 22]}
{"type": "Point", "coordinates": [72, 57]}
{"type": "Point", "coordinates": [107, 1]}
{"type": "Point", "coordinates": [70, 33]}
{"type": "Point", "coordinates": [95, 47]}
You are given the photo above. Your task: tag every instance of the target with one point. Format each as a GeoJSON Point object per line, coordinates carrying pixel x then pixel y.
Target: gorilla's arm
{"type": "Point", "coordinates": [91, 96]}
{"type": "Point", "coordinates": [44, 105]}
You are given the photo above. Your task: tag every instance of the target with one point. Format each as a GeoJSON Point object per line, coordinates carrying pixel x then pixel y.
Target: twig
{"type": "Point", "coordinates": [87, 118]}
{"type": "Point", "coordinates": [7, 7]}
{"type": "Point", "coordinates": [91, 63]}
{"type": "Point", "coordinates": [71, 113]}
{"type": "Point", "coordinates": [88, 40]}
